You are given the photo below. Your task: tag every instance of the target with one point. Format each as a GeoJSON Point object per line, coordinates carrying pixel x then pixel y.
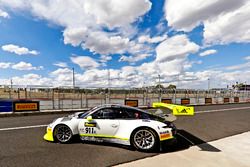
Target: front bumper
{"type": "Point", "coordinates": [49, 135]}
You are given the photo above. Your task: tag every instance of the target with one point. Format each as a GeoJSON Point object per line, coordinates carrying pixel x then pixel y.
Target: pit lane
{"type": "Point", "coordinates": [25, 147]}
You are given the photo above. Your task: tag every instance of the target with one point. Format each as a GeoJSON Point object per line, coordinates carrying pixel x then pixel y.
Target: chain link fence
{"type": "Point", "coordinates": [59, 98]}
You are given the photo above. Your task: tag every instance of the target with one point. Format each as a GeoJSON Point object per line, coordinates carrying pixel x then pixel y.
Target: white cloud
{"type": "Point", "coordinates": [134, 58]}
{"type": "Point", "coordinates": [87, 29]}
{"type": "Point", "coordinates": [18, 50]}
{"type": "Point", "coordinates": [85, 62]}
{"type": "Point", "coordinates": [61, 64]}
{"type": "Point", "coordinates": [116, 13]}
{"type": "Point", "coordinates": [5, 65]}
{"type": "Point", "coordinates": [25, 66]}
{"type": "Point", "coordinates": [28, 79]}
{"type": "Point", "coordinates": [208, 52]}
{"type": "Point", "coordinates": [187, 14]}
{"type": "Point", "coordinates": [229, 27]}
{"type": "Point", "coordinates": [4, 14]}
{"type": "Point", "coordinates": [247, 58]}
{"type": "Point", "coordinates": [224, 21]}
{"type": "Point", "coordinates": [176, 47]}
{"type": "Point", "coordinates": [148, 39]}
{"type": "Point", "coordinates": [239, 66]}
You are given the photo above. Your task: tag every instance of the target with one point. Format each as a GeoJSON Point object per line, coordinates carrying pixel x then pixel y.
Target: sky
{"type": "Point", "coordinates": [193, 44]}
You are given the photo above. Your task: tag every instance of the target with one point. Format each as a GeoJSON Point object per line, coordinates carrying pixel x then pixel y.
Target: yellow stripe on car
{"type": "Point", "coordinates": [104, 136]}
{"type": "Point", "coordinates": [177, 109]}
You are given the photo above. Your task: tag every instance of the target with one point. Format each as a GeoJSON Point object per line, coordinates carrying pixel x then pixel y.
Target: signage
{"type": "Point", "coordinates": [25, 106]}
{"type": "Point", "coordinates": [131, 103]}
{"type": "Point", "coordinates": [226, 100]}
{"type": "Point", "coordinates": [236, 99]}
{"type": "Point", "coordinates": [168, 101]}
{"type": "Point", "coordinates": [185, 101]}
{"type": "Point", "coordinates": [208, 100]}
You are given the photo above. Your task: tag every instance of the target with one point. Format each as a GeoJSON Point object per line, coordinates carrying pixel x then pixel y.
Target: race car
{"type": "Point", "coordinates": [114, 123]}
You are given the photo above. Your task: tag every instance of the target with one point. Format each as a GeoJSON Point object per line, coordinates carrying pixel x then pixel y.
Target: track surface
{"type": "Point", "coordinates": [25, 147]}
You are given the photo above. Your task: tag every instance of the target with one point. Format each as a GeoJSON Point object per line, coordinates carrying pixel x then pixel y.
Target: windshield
{"type": "Point", "coordinates": [84, 114]}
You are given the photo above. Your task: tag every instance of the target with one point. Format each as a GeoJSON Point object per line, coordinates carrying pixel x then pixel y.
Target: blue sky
{"type": "Point", "coordinates": [186, 42]}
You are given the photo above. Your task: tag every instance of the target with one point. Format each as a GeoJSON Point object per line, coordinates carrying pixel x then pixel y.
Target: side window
{"type": "Point", "coordinates": [132, 114]}
{"type": "Point", "coordinates": [105, 113]}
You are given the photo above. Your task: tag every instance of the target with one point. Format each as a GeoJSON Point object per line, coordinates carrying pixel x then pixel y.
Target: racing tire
{"type": "Point", "coordinates": [145, 139]}
{"type": "Point", "coordinates": [63, 134]}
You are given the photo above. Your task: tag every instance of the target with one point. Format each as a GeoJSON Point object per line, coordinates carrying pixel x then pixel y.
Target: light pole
{"type": "Point", "coordinates": [208, 83]}
{"type": "Point", "coordinates": [73, 77]}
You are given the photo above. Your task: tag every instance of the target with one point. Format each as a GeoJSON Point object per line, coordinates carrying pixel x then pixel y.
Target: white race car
{"type": "Point", "coordinates": [116, 124]}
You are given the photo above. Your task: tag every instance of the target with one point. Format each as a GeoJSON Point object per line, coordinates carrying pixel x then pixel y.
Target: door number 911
{"type": "Point", "coordinates": [89, 130]}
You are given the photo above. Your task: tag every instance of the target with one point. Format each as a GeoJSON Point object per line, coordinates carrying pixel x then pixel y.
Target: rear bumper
{"type": "Point", "coordinates": [49, 135]}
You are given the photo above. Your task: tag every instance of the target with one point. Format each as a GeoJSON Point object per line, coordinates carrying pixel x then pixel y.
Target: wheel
{"type": "Point", "coordinates": [63, 133]}
{"type": "Point", "coordinates": [145, 139]}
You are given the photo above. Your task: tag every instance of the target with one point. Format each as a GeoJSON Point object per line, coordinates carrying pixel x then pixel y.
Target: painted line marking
{"type": "Point", "coordinates": [24, 127]}
{"type": "Point", "coordinates": [226, 109]}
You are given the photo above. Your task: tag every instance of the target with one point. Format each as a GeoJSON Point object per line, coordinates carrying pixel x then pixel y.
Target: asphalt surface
{"type": "Point", "coordinates": [26, 147]}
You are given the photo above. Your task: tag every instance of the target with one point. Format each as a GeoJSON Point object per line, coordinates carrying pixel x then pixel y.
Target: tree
{"type": "Point", "coordinates": [171, 86]}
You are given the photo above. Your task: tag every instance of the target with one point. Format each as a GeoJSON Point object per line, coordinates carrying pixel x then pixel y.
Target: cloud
{"type": "Point", "coordinates": [134, 59]}
{"type": "Point", "coordinates": [4, 14]}
{"type": "Point", "coordinates": [247, 58]}
{"type": "Point", "coordinates": [61, 64]}
{"type": "Point", "coordinates": [28, 79]}
{"type": "Point", "coordinates": [5, 65]}
{"type": "Point", "coordinates": [176, 47]}
{"type": "Point", "coordinates": [94, 16]}
{"type": "Point", "coordinates": [18, 50]}
{"type": "Point", "coordinates": [224, 21]}
{"type": "Point", "coordinates": [85, 62]}
{"type": "Point", "coordinates": [148, 39]}
{"type": "Point", "coordinates": [25, 66]}
{"type": "Point", "coordinates": [116, 13]}
{"type": "Point", "coordinates": [230, 27]}
{"type": "Point", "coordinates": [208, 52]}
{"type": "Point", "coordinates": [239, 66]}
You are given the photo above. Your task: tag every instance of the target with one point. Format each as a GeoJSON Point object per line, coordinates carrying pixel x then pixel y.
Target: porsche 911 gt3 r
{"type": "Point", "coordinates": [114, 123]}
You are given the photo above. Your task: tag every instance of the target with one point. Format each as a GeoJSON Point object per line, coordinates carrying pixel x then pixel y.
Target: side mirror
{"type": "Point", "coordinates": [89, 118]}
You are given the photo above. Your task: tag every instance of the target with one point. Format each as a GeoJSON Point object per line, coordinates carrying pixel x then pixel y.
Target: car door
{"type": "Point", "coordinates": [103, 124]}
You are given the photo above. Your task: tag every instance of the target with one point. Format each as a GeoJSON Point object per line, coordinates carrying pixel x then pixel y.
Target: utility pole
{"type": "Point", "coordinates": [159, 79]}
{"type": "Point", "coordinates": [159, 84]}
{"type": "Point", "coordinates": [208, 83]}
{"type": "Point", "coordinates": [73, 77]}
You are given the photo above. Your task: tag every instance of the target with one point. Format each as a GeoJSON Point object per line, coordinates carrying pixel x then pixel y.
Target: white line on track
{"type": "Point", "coordinates": [24, 127]}
{"type": "Point", "coordinates": [226, 109]}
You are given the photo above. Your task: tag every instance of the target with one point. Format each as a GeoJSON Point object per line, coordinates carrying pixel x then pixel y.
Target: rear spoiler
{"type": "Point", "coordinates": [177, 109]}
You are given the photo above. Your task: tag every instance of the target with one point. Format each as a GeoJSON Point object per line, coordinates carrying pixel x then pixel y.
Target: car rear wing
{"type": "Point", "coordinates": [177, 109]}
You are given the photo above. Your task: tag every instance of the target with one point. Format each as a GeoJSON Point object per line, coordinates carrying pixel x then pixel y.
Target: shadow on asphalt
{"type": "Point", "coordinates": [184, 140]}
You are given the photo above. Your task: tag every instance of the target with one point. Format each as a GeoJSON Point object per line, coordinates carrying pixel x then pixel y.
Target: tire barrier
{"type": "Point", "coordinates": [131, 103]}
{"type": "Point", "coordinates": [208, 101]}
{"type": "Point", "coordinates": [185, 101]}
{"type": "Point", "coordinates": [168, 101]}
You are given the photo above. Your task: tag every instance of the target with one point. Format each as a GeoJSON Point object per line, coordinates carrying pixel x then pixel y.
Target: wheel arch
{"type": "Point", "coordinates": [59, 125]}
{"type": "Point", "coordinates": [142, 127]}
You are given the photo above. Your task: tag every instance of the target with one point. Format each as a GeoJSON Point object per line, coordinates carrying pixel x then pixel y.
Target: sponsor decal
{"type": "Point", "coordinates": [182, 110]}
{"type": "Point", "coordinates": [164, 136]}
{"type": "Point", "coordinates": [90, 124]}
{"type": "Point", "coordinates": [132, 103]}
{"type": "Point", "coordinates": [26, 106]}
